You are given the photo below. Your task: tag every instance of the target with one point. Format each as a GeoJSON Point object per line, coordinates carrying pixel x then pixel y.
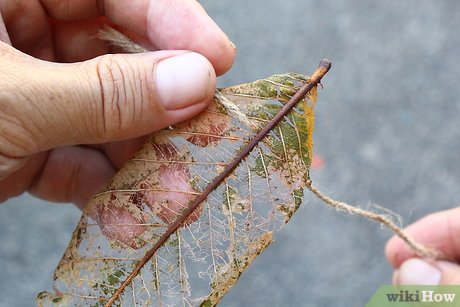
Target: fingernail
{"type": "Point", "coordinates": [233, 45]}
{"type": "Point", "coordinates": [418, 272]}
{"type": "Point", "coordinates": [184, 80]}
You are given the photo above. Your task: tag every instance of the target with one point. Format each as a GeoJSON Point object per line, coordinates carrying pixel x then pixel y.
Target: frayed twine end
{"type": "Point", "coordinates": [418, 248]}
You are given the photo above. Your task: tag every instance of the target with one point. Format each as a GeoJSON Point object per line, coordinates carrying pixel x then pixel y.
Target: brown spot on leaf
{"type": "Point", "coordinates": [165, 151]}
{"type": "Point", "coordinates": [211, 137]}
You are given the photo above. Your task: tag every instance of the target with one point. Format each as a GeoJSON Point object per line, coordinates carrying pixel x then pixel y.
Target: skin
{"type": "Point", "coordinates": [52, 142]}
{"type": "Point", "coordinates": [440, 230]}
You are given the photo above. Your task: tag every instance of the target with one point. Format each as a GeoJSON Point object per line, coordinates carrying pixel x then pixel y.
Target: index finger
{"type": "Point", "coordinates": [167, 24]}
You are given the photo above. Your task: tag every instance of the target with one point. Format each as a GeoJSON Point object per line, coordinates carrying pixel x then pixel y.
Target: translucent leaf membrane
{"type": "Point", "coordinates": [204, 258]}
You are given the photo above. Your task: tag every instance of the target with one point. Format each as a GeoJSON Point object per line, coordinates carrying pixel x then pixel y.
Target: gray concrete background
{"type": "Point", "coordinates": [387, 125]}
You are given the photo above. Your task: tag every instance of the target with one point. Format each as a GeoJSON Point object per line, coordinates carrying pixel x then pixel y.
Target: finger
{"type": "Point", "coordinates": [119, 223]}
{"type": "Point", "coordinates": [183, 24]}
{"type": "Point", "coordinates": [440, 230]}
{"type": "Point", "coordinates": [78, 41]}
{"type": "Point", "coordinates": [72, 174]}
{"type": "Point", "coordinates": [419, 272]}
{"type": "Point", "coordinates": [168, 24]}
{"type": "Point", "coordinates": [120, 152]}
{"type": "Point", "coordinates": [3, 33]}
{"type": "Point", "coordinates": [28, 28]}
{"type": "Point", "coordinates": [110, 98]}
{"type": "Point", "coordinates": [18, 174]}
{"type": "Point", "coordinates": [116, 214]}
{"type": "Point", "coordinates": [176, 195]}
{"type": "Point", "coordinates": [450, 273]}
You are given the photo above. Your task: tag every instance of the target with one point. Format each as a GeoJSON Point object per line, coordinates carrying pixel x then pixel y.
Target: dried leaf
{"type": "Point", "coordinates": [204, 258]}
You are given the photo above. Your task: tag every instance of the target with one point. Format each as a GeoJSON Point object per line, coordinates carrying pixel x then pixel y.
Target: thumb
{"type": "Point", "coordinates": [420, 272]}
{"type": "Point", "coordinates": [108, 98]}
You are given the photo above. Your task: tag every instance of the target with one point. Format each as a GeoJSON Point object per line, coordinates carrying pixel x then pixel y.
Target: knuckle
{"type": "Point", "coordinates": [9, 165]}
{"type": "Point", "coordinates": [18, 134]}
{"type": "Point", "coordinates": [118, 94]}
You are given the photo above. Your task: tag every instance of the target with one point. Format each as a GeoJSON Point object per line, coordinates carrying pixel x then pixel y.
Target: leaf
{"type": "Point", "coordinates": [201, 260]}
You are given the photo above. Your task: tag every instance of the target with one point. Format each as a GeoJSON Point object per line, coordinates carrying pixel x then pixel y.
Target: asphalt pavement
{"type": "Point", "coordinates": [388, 129]}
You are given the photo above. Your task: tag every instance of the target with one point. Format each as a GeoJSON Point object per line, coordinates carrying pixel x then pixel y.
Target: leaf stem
{"type": "Point", "coordinates": [315, 79]}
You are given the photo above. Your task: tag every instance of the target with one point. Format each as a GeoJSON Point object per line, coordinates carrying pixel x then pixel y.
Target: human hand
{"type": "Point", "coordinates": [106, 101]}
{"type": "Point", "coordinates": [440, 230]}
